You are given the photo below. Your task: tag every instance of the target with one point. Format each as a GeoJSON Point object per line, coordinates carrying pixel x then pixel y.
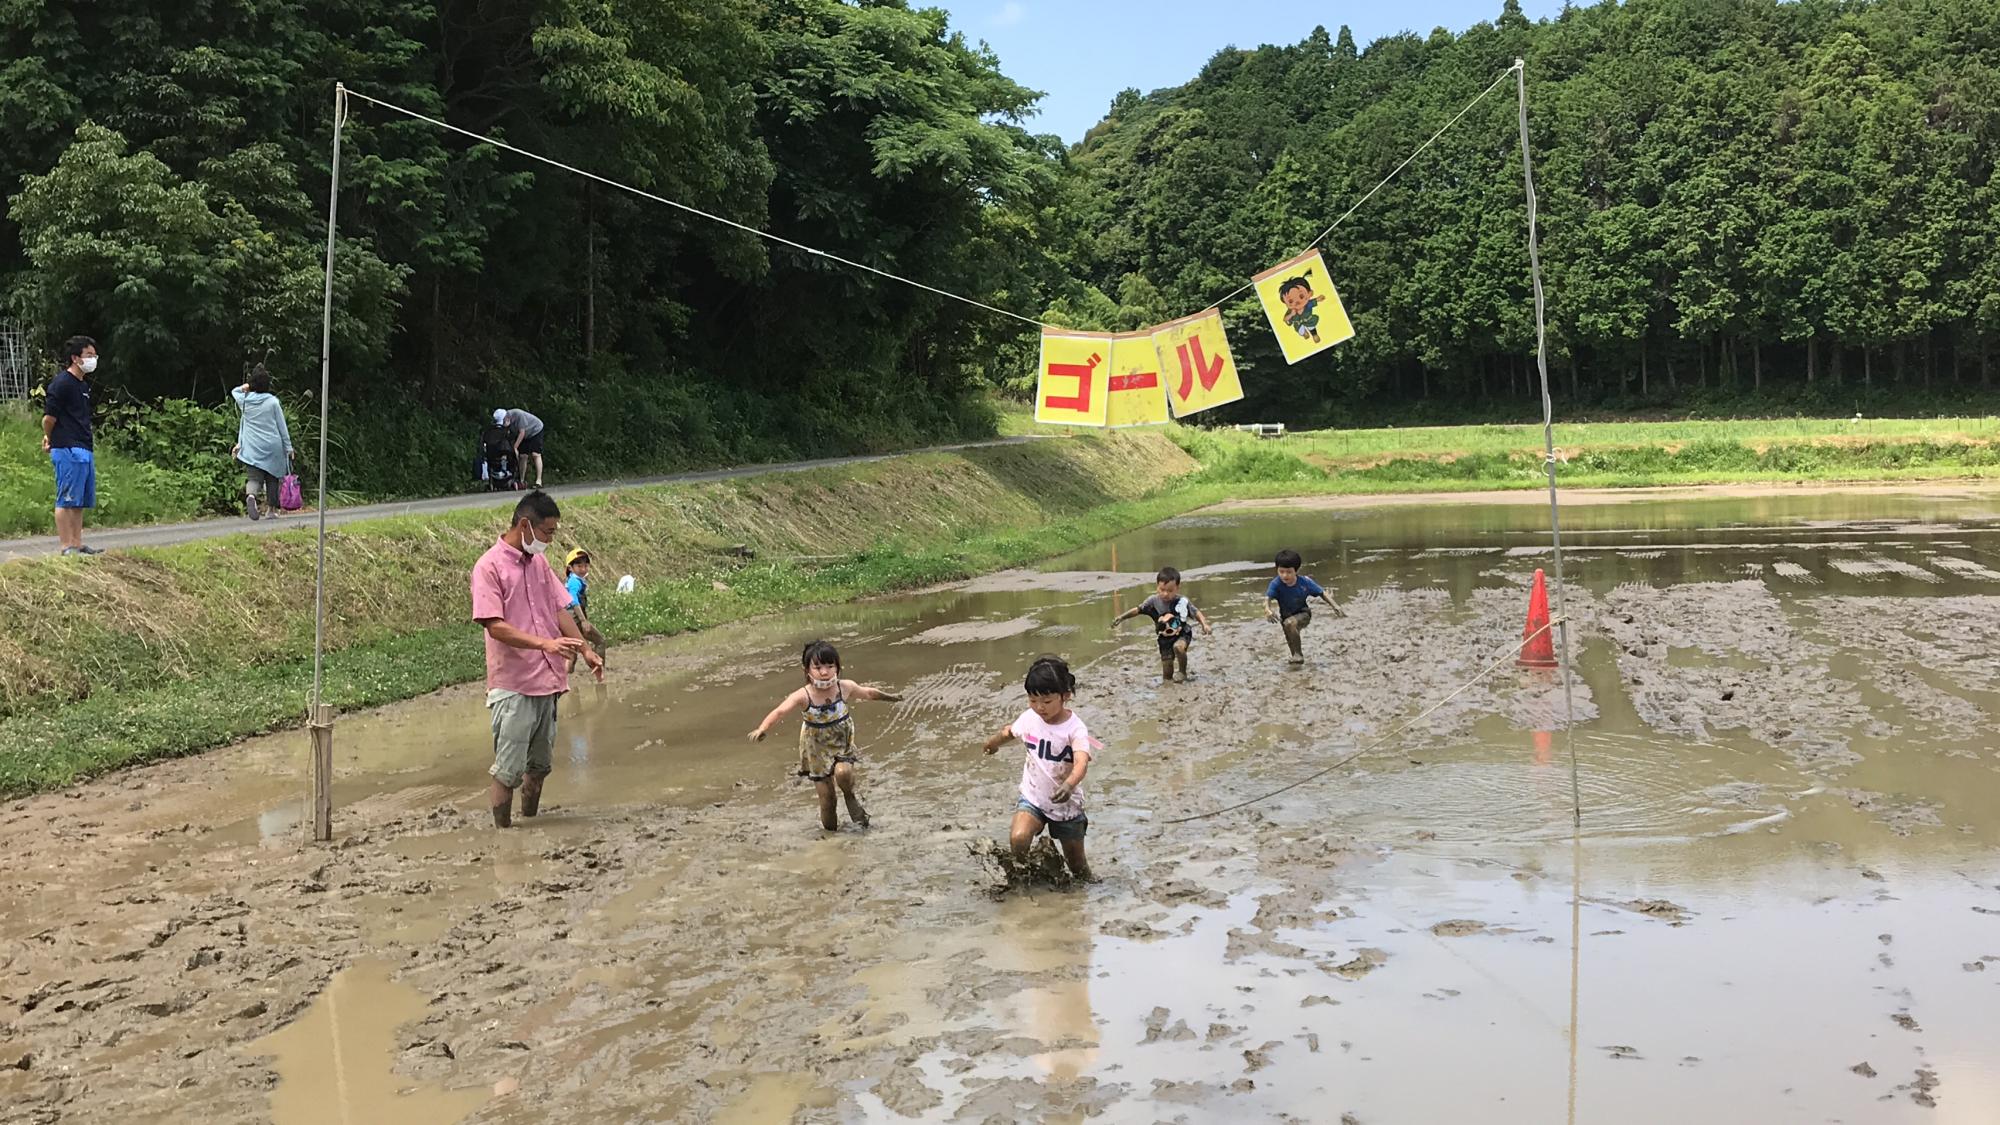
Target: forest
{"type": "Point", "coordinates": [1746, 205]}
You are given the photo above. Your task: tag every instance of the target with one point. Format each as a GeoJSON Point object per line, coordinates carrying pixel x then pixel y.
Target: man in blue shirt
{"type": "Point", "coordinates": [1286, 599]}
{"type": "Point", "coordinates": [66, 438]}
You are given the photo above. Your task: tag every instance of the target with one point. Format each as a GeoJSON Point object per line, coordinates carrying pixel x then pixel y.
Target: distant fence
{"type": "Point", "coordinates": [17, 361]}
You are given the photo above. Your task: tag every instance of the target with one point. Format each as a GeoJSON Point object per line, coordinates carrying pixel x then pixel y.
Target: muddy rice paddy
{"type": "Point", "coordinates": [1789, 902]}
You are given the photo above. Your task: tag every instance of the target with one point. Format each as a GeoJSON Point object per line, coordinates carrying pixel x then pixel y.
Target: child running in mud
{"type": "Point", "coordinates": [1059, 752]}
{"type": "Point", "coordinates": [1286, 600]}
{"type": "Point", "coordinates": [826, 734]}
{"type": "Point", "coordinates": [1174, 618]}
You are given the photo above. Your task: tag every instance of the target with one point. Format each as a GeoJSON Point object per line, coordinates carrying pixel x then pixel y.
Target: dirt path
{"type": "Point", "coordinates": [160, 535]}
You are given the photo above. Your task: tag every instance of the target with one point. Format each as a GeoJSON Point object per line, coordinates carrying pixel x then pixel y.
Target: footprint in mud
{"type": "Point", "coordinates": [1458, 927]}
{"type": "Point", "coordinates": [1043, 867]}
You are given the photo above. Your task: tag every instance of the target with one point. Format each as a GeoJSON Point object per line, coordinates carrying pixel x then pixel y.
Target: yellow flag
{"type": "Point", "coordinates": [1305, 311]}
{"type": "Point", "coordinates": [1137, 394]}
{"type": "Point", "coordinates": [1195, 362]}
{"type": "Point", "coordinates": [1072, 389]}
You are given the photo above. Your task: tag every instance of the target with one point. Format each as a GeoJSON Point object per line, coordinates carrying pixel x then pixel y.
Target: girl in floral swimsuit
{"type": "Point", "coordinates": [826, 734]}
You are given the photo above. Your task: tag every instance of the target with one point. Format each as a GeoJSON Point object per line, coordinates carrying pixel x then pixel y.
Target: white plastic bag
{"type": "Point", "coordinates": [625, 584]}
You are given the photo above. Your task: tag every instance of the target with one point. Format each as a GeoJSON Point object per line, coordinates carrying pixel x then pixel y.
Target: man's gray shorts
{"type": "Point", "coordinates": [524, 735]}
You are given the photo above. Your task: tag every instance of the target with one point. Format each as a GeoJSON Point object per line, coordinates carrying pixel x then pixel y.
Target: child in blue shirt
{"type": "Point", "coordinates": [576, 578]}
{"type": "Point", "coordinates": [1286, 600]}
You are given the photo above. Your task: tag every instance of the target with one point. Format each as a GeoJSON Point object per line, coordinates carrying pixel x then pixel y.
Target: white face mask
{"type": "Point", "coordinates": [825, 684]}
{"type": "Point", "coordinates": [533, 545]}
{"type": "Point", "coordinates": [89, 364]}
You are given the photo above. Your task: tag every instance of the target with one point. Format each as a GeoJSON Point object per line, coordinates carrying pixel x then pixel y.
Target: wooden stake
{"type": "Point", "coordinates": [321, 727]}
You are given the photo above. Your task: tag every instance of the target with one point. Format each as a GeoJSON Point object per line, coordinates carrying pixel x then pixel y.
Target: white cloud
{"type": "Point", "coordinates": [1010, 13]}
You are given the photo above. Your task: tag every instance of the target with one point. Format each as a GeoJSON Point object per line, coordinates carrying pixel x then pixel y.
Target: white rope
{"type": "Point", "coordinates": [711, 216]}
{"type": "Point", "coordinates": [1382, 741]}
{"type": "Point", "coordinates": [1397, 171]}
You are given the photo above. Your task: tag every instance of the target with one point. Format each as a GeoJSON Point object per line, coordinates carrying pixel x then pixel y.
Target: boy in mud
{"type": "Point", "coordinates": [1286, 598]}
{"type": "Point", "coordinates": [1174, 618]}
{"type": "Point", "coordinates": [1302, 308]}
{"type": "Point", "coordinates": [576, 579]}
{"type": "Point", "coordinates": [826, 734]}
{"type": "Point", "coordinates": [1059, 751]}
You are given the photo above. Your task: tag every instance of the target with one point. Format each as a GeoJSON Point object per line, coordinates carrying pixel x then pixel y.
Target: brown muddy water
{"type": "Point", "coordinates": [1790, 888]}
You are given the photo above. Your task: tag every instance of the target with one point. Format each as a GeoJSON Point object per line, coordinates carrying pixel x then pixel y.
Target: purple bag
{"type": "Point", "coordinates": [289, 497]}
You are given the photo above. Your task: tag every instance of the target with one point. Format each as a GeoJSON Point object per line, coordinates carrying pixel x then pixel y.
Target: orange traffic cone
{"type": "Point", "coordinates": [1540, 651]}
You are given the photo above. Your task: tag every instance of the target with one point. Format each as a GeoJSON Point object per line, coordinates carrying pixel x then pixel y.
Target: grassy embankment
{"type": "Point", "coordinates": [165, 651]}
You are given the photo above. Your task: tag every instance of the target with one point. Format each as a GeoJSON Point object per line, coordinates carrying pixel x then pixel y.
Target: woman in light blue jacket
{"type": "Point", "coordinates": [263, 443]}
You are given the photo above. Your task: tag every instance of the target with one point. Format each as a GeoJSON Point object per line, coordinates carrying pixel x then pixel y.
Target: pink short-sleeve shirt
{"type": "Point", "coordinates": [511, 585]}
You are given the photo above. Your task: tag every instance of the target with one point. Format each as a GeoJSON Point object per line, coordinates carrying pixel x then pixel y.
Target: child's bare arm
{"type": "Point", "coordinates": [1075, 777]}
{"type": "Point", "coordinates": [796, 699]}
{"type": "Point", "coordinates": [994, 743]}
{"type": "Point", "coordinates": [1328, 599]}
{"type": "Point", "coordinates": [868, 691]}
{"type": "Point", "coordinates": [1203, 618]}
{"type": "Point", "coordinates": [1271, 608]}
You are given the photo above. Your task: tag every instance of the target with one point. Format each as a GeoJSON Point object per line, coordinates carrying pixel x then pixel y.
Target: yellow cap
{"type": "Point", "coordinates": [579, 553]}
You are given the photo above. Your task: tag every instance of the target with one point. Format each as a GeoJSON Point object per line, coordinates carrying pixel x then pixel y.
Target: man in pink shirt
{"type": "Point", "coordinates": [530, 640]}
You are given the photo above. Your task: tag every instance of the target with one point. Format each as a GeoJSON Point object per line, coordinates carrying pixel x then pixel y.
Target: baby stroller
{"type": "Point", "coordinates": [497, 469]}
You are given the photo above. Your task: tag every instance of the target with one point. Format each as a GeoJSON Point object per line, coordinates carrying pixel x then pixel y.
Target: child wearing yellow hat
{"type": "Point", "coordinates": [576, 576]}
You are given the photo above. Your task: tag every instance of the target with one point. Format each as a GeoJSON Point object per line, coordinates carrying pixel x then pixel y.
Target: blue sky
{"type": "Point", "coordinates": [1080, 53]}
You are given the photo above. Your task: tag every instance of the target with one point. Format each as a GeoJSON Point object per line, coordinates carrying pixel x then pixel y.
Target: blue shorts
{"type": "Point", "coordinates": [76, 478]}
{"type": "Point", "coordinates": [1059, 830]}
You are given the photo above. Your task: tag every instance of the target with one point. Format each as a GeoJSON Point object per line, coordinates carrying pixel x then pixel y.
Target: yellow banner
{"type": "Point", "coordinates": [1195, 362]}
{"type": "Point", "coordinates": [1072, 389]}
{"type": "Point", "coordinates": [1305, 311]}
{"type": "Point", "coordinates": [1137, 395]}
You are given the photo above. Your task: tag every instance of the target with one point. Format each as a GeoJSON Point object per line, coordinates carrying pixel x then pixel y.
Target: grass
{"type": "Point", "coordinates": [128, 492]}
{"type": "Point", "coordinates": [167, 651]}
{"type": "Point", "coordinates": [1755, 432]}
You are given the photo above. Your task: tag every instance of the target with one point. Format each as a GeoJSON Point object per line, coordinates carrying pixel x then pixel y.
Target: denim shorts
{"type": "Point", "coordinates": [1059, 830]}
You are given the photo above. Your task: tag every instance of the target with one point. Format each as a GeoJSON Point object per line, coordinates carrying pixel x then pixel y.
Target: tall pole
{"type": "Point", "coordinates": [320, 719]}
{"type": "Point", "coordinates": [1562, 611]}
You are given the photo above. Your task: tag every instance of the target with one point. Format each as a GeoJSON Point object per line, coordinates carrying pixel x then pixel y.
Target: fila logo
{"type": "Point", "coordinates": [1046, 751]}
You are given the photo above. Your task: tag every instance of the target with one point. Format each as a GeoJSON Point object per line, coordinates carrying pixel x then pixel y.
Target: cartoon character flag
{"type": "Point", "coordinates": [1137, 394]}
{"type": "Point", "coordinates": [1305, 312]}
{"type": "Point", "coordinates": [1195, 362]}
{"type": "Point", "coordinates": [1073, 388]}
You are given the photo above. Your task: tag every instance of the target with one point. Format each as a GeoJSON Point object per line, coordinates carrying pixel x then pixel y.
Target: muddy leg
{"type": "Point", "coordinates": [1180, 657]}
{"type": "Point", "coordinates": [1078, 866]}
{"type": "Point", "coordinates": [1026, 827]}
{"type": "Point", "coordinates": [1167, 666]}
{"type": "Point", "coordinates": [501, 800]}
{"type": "Point", "coordinates": [843, 776]}
{"type": "Point", "coordinates": [1293, 639]}
{"type": "Point", "coordinates": [531, 794]}
{"type": "Point", "coordinates": [828, 818]}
